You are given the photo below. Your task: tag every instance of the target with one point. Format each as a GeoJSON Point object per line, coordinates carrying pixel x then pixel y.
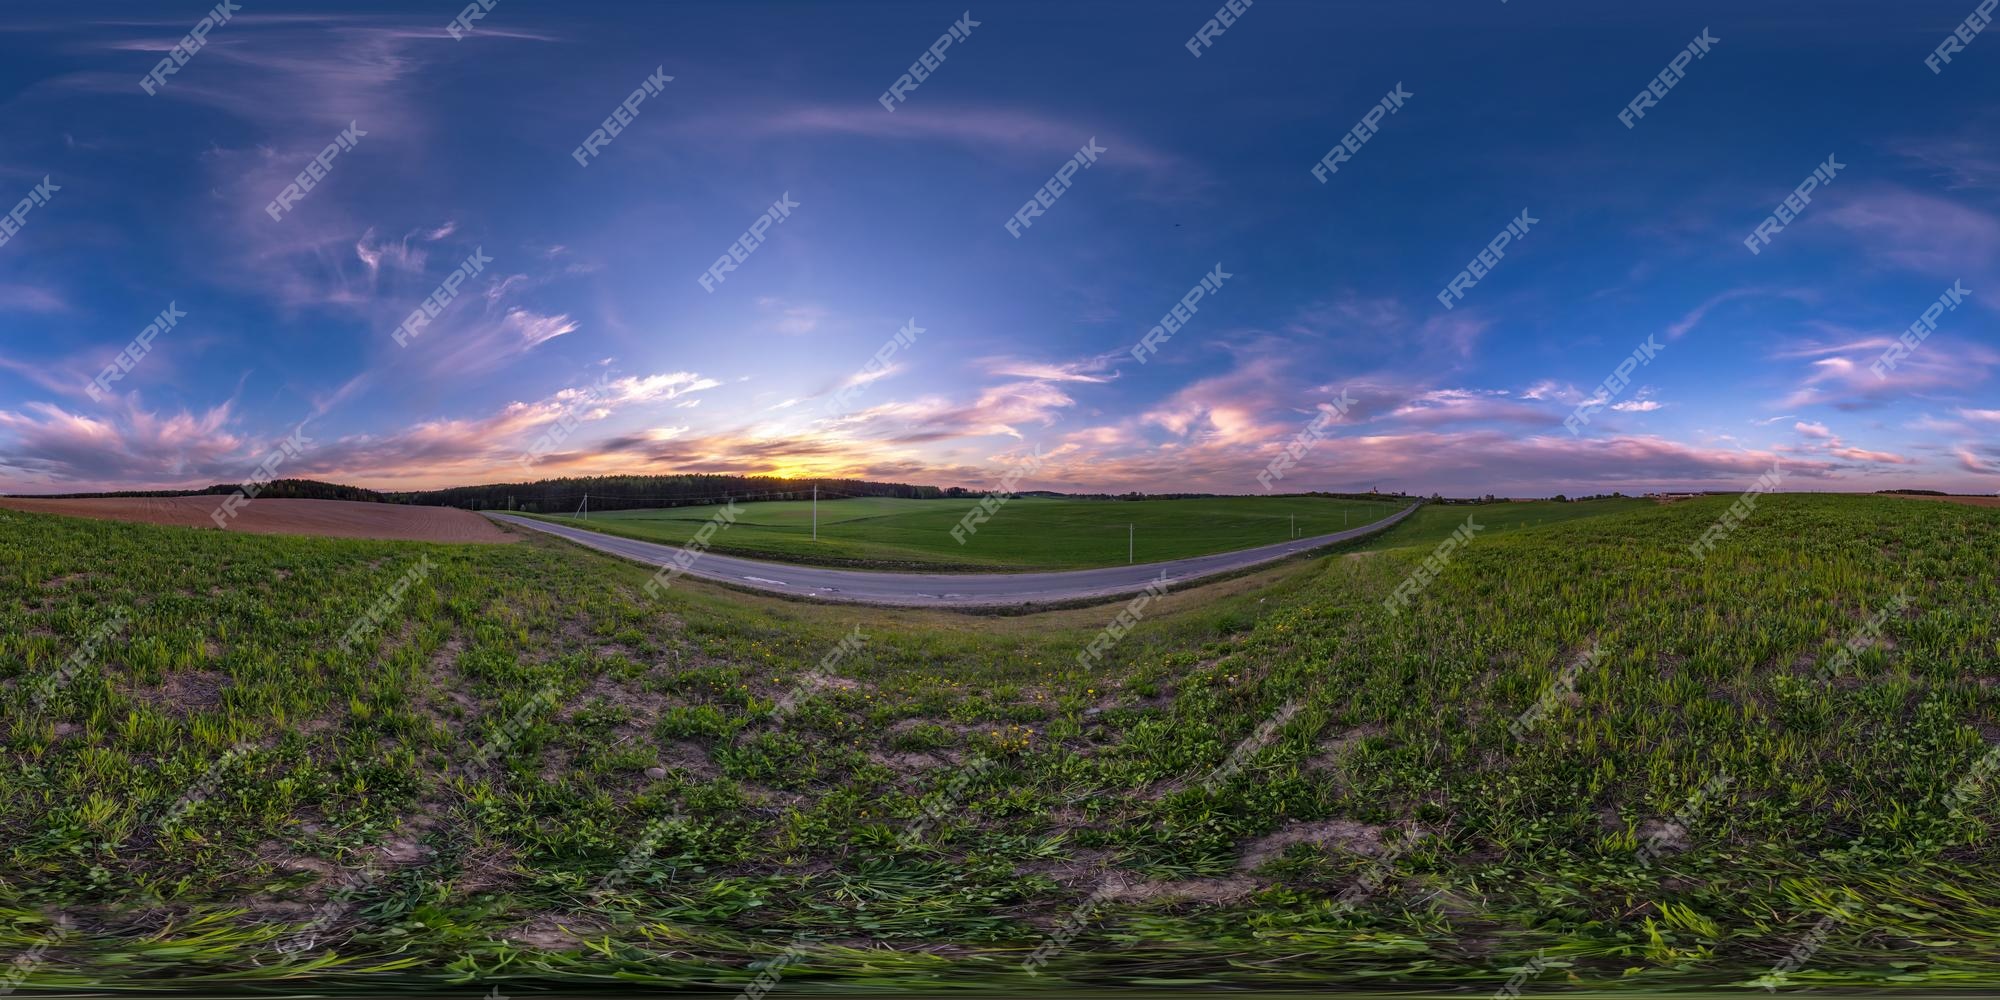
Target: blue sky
{"type": "Point", "coordinates": [589, 345]}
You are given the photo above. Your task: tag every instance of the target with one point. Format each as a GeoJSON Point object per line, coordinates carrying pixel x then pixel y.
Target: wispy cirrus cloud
{"type": "Point", "coordinates": [1921, 232]}
{"type": "Point", "coordinates": [471, 342]}
{"type": "Point", "coordinates": [1014, 131]}
{"type": "Point", "coordinates": [32, 298]}
{"type": "Point", "coordinates": [790, 318]}
{"type": "Point", "coordinates": [406, 254]}
{"type": "Point", "coordinates": [1007, 410]}
{"type": "Point", "coordinates": [1094, 369]}
{"type": "Point", "coordinates": [652, 388]}
{"type": "Point", "coordinates": [1471, 406]}
{"type": "Point", "coordinates": [867, 376]}
{"type": "Point", "coordinates": [1967, 159]}
{"type": "Point", "coordinates": [1840, 375]}
{"type": "Point", "coordinates": [1694, 317]}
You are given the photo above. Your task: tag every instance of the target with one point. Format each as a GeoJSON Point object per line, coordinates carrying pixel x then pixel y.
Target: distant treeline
{"type": "Point", "coordinates": [560, 496]}
{"type": "Point", "coordinates": [288, 489]}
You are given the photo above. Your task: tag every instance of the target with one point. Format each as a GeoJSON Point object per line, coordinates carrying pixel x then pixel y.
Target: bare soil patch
{"type": "Point", "coordinates": [1346, 835]}
{"type": "Point", "coordinates": [185, 692]}
{"type": "Point", "coordinates": [1195, 890]}
{"type": "Point", "coordinates": [283, 516]}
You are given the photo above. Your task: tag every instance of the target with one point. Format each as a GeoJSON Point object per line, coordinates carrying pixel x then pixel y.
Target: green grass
{"type": "Point", "coordinates": [1026, 533]}
{"type": "Point", "coordinates": [860, 823]}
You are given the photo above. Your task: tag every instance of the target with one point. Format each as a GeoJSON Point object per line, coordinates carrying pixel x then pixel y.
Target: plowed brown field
{"type": "Point", "coordinates": [1970, 501]}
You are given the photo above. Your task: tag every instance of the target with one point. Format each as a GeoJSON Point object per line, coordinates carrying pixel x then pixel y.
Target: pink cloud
{"type": "Point", "coordinates": [1971, 461]}
{"type": "Point", "coordinates": [1864, 455]}
{"type": "Point", "coordinates": [54, 449]}
{"type": "Point", "coordinates": [1824, 441]}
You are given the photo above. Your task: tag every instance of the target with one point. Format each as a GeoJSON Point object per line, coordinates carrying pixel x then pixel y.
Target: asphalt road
{"type": "Point", "coordinates": [966, 590]}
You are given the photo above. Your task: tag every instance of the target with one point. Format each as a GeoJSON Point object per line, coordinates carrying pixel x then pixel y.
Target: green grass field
{"type": "Point", "coordinates": [1435, 522]}
{"type": "Point", "coordinates": [1271, 782]}
{"type": "Point", "coordinates": [1026, 533]}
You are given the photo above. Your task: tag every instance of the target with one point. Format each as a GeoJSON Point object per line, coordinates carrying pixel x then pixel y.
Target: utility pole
{"type": "Point", "coordinates": [815, 512]}
{"type": "Point", "coordinates": [584, 508]}
{"type": "Point", "coordinates": [1295, 526]}
{"type": "Point", "coordinates": [1131, 542]}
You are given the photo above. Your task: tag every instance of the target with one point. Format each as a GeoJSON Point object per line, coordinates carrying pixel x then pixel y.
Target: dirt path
{"type": "Point", "coordinates": [329, 518]}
